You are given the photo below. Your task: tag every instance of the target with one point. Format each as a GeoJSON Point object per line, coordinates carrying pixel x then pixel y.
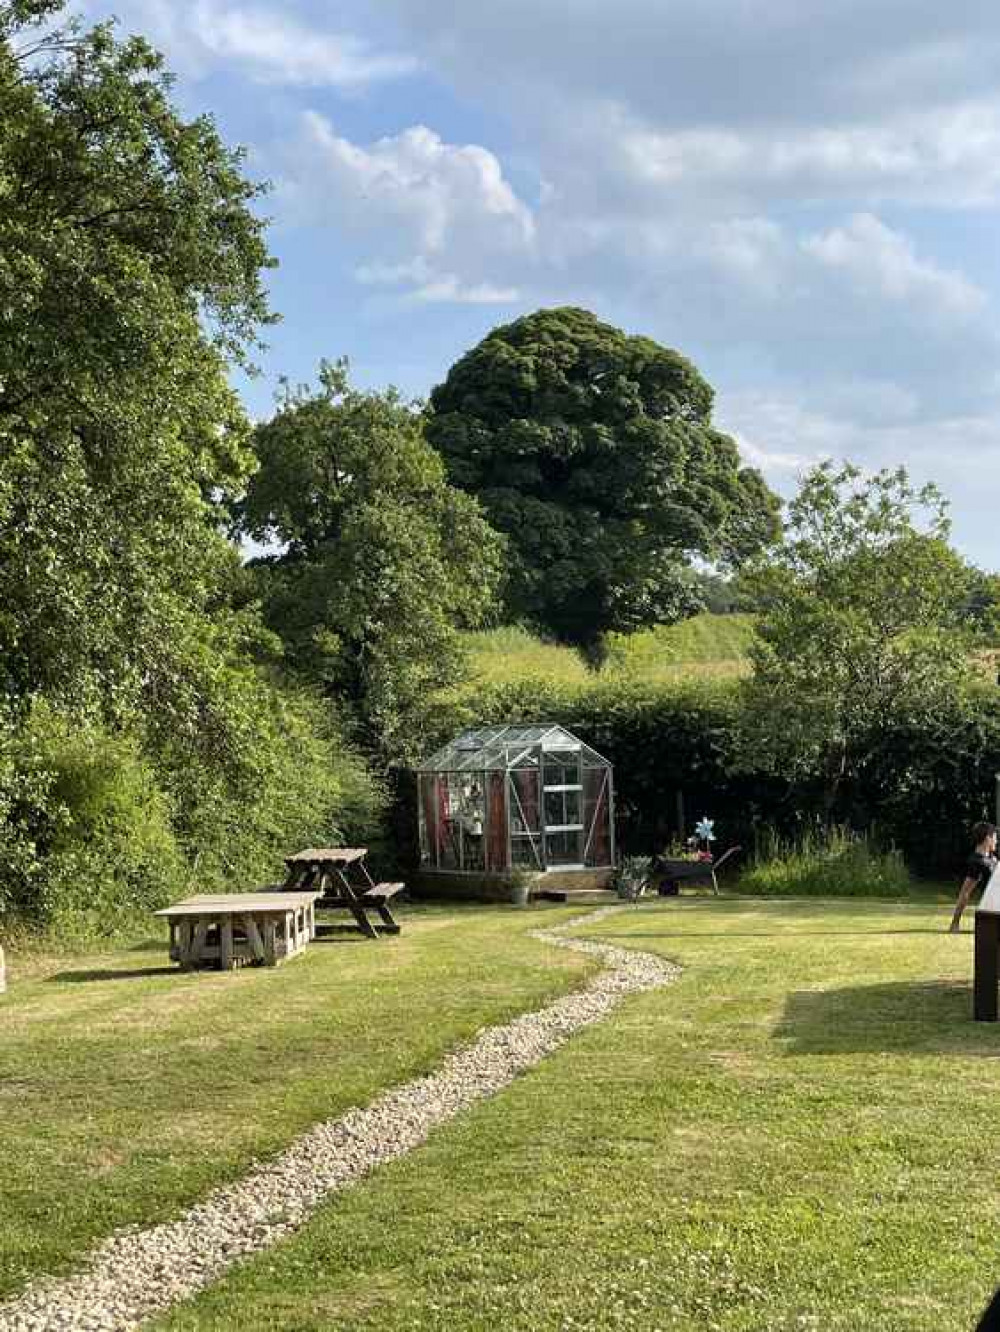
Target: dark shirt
{"type": "Point", "coordinates": [980, 867]}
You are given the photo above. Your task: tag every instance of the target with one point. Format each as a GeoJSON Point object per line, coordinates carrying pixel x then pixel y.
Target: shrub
{"type": "Point", "coordinates": [98, 828]}
{"type": "Point", "coordinates": [266, 773]}
{"type": "Point", "coordinates": [87, 833]}
{"type": "Point", "coordinates": [832, 863]}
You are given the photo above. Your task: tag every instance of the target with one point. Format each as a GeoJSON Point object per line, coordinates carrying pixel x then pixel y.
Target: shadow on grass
{"type": "Point", "coordinates": [914, 1017]}
{"type": "Point", "coordinates": [331, 934]}
{"type": "Point", "coordinates": [112, 974]}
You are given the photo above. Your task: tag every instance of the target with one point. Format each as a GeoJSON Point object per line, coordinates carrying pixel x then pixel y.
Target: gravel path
{"type": "Point", "coordinates": [138, 1273]}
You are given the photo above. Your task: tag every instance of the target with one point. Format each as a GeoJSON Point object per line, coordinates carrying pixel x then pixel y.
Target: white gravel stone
{"type": "Point", "coordinates": [136, 1274]}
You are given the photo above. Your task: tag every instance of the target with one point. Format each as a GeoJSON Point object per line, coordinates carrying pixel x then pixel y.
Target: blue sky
{"type": "Point", "coordinates": [800, 195]}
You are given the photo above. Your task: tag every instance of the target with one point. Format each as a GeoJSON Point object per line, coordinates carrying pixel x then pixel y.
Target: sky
{"type": "Point", "coordinates": [800, 195]}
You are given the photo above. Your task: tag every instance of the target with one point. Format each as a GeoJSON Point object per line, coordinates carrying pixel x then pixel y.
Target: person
{"type": "Point", "coordinates": [980, 866]}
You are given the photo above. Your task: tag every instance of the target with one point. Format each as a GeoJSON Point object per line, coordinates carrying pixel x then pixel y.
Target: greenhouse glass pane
{"type": "Point", "coordinates": [525, 851]}
{"type": "Point", "coordinates": [562, 808]}
{"type": "Point", "coordinates": [562, 769]}
{"type": "Point", "coordinates": [564, 848]}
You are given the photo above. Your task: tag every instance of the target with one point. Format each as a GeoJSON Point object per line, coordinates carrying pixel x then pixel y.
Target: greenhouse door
{"type": "Point", "coordinates": [563, 806]}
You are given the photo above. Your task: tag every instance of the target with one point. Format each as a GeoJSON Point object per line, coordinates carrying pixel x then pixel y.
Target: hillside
{"type": "Point", "coordinates": [706, 645]}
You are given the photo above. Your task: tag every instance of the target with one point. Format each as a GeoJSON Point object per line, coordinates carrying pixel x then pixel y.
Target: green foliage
{"type": "Point", "coordinates": [98, 827]}
{"type": "Point", "coordinates": [594, 453]}
{"type": "Point", "coordinates": [267, 771]}
{"type": "Point", "coordinates": [513, 653]}
{"type": "Point", "coordinates": [924, 781]}
{"type": "Point", "coordinates": [632, 876]}
{"type": "Point", "coordinates": [860, 628]}
{"type": "Point", "coordinates": [141, 750]}
{"type": "Point", "coordinates": [87, 836]}
{"type": "Point", "coordinates": [382, 558]}
{"type": "Point", "coordinates": [832, 863]}
{"type": "Point", "coordinates": [125, 233]}
{"type": "Point", "coordinates": [981, 608]}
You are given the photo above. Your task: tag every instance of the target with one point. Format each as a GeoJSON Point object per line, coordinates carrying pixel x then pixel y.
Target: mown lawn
{"type": "Point", "coordinates": [128, 1089]}
{"type": "Point", "coordinates": [801, 1133]}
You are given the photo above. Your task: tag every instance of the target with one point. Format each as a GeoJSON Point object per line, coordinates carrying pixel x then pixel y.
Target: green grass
{"type": "Point", "coordinates": [799, 1134]}
{"type": "Point", "coordinates": [128, 1089]}
{"type": "Point", "coordinates": [706, 646]}
{"type": "Point", "coordinates": [496, 656]}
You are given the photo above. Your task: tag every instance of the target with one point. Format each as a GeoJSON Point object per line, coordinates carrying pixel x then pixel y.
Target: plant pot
{"type": "Point", "coordinates": [520, 892]}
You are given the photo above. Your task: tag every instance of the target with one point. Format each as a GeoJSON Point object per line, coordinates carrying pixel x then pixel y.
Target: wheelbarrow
{"type": "Point", "coordinates": [671, 871]}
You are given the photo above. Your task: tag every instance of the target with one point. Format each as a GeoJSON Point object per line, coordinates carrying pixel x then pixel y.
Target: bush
{"type": "Point", "coordinates": [833, 863]}
{"type": "Point", "coordinates": [98, 828]}
{"type": "Point", "coordinates": [264, 773]}
{"type": "Point", "coordinates": [86, 831]}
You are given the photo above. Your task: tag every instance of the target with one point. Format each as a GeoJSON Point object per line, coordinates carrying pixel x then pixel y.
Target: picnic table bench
{"type": "Point", "coordinates": [230, 929]}
{"type": "Point", "coordinates": [340, 878]}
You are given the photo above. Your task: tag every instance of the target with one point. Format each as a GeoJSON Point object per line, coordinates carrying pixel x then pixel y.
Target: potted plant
{"type": "Point", "coordinates": [632, 877]}
{"type": "Point", "coordinates": [520, 887]}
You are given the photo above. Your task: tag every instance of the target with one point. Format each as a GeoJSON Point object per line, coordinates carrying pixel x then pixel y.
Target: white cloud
{"type": "Point", "coordinates": [434, 191]}
{"type": "Point", "coordinates": [786, 435]}
{"type": "Point", "coordinates": [883, 261]}
{"type": "Point", "coordinates": [268, 43]}
{"type": "Point", "coordinates": [949, 158]}
{"type": "Point", "coordinates": [448, 289]}
{"type": "Point", "coordinates": [431, 218]}
{"type": "Point", "coordinates": [419, 281]}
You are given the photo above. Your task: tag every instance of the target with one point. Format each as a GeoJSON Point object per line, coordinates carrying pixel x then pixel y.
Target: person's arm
{"type": "Point", "coordinates": [964, 893]}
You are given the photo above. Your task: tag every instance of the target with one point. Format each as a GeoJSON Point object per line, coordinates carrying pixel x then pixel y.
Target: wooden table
{"type": "Point", "coordinates": [984, 967]}
{"type": "Point", "coordinates": [341, 878]}
{"type": "Point", "coordinates": [233, 928]}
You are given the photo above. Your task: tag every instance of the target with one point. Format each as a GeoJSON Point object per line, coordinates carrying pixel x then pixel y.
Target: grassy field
{"type": "Point", "coordinates": [127, 1089]}
{"type": "Point", "coordinates": [706, 646]}
{"type": "Point", "coordinates": [496, 656]}
{"type": "Point", "coordinates": [799, 1134]}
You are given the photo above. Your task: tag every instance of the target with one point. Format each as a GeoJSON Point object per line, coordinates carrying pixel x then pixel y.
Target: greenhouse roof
{"type": "Point", "coordinates": [502, 747]}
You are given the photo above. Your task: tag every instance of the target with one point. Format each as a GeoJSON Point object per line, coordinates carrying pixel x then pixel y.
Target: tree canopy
{"type": "Point", "coordinates": [130, 274]}
{"type": "Point", "coordinates": [381, 558]}
{"type": "Point", "coordinates": [139, 738]}
{"type": "Point", "coordinates": [595, 454]}
{"type": "Point", "coordinates": [861, 633]}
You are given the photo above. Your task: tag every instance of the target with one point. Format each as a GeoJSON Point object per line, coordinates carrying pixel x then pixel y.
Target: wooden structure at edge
{"type": "Point", "coordinates": [985, 975]}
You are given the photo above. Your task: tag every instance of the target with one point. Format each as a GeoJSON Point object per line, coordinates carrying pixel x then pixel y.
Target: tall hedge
{"type": "Point", "coordinates": [920, 791]}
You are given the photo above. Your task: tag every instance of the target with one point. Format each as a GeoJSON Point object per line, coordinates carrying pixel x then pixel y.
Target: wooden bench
{"type": "Point", "coordinates": [341, 878]}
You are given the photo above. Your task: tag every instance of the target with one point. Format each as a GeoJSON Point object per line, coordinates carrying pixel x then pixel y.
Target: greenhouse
{"type": "Point", "coordinates": [507, 798]}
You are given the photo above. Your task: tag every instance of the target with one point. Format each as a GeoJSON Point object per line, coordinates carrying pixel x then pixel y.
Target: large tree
{"type": "Point", "coordinates": [595, 453]}
{"type": "Point", "coordinates": [130, 276]}
{"type": "Point", "coordinates": [381, 559]}
{"type": "Point", "coordinates": [862, 630]}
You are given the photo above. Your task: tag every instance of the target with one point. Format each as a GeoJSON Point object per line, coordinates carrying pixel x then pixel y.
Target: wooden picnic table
{"type": "Point", "coordinates": [230, 929]}
{"type": "Point", "coordinates": [342, 879]}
